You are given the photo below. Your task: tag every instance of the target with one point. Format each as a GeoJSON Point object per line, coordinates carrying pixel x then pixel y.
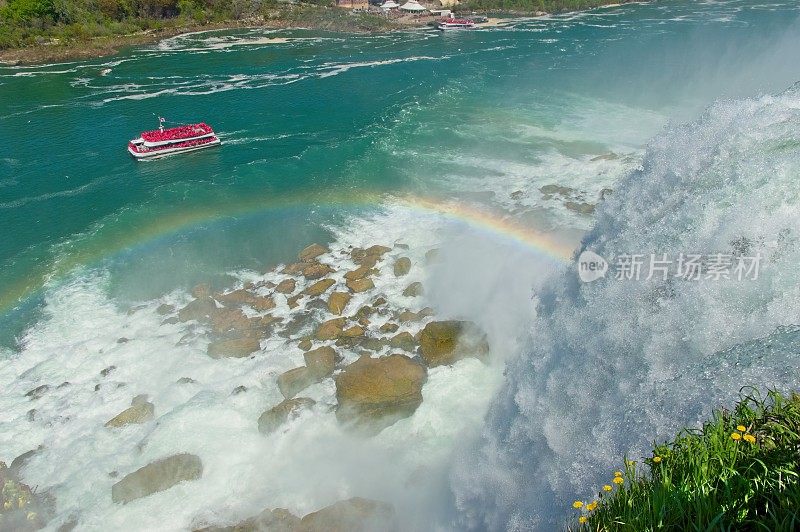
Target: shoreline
{"type": "Point", "coordinates": [96, 47]}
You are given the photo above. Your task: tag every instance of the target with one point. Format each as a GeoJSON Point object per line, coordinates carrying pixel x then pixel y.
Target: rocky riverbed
{"type": "Point", "coordinates": [358, 316]}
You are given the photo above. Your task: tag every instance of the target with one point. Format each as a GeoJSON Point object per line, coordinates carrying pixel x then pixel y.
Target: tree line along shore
{"type": "Point", "coordinates": [52, 30]}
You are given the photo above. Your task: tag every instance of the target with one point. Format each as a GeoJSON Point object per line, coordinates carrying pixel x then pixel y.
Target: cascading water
{"type": "Point", "coordinates": [613, 364]}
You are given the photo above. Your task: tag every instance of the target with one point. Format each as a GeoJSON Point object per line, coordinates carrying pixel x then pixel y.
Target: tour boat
{"type": "Point", "coordinates": [455, 24]}
{"type": "Point", "coordinates": [163, 142]}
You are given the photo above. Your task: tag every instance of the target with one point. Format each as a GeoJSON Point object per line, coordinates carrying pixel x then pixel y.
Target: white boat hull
{"type": "Point", "coordinates": [166, 152]}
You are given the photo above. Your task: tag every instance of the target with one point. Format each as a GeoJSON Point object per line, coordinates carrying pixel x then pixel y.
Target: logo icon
{"type": "Point", "coordinates": [591, 266]}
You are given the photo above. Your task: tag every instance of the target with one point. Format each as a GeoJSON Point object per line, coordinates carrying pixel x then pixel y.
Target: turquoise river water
{"type": "Point", "coordinates": [421, 138]}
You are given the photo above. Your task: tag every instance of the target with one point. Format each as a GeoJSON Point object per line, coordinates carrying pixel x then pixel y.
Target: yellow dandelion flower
{"type": "Point", "coordinates": [582, 519]}
{"type": "Point", "coordinates": [736, 436]}
{"type": "Point", "coordinates": [591, 506]}
{"type": "Point", "coordinates": [618, 480]}
{"type": "Point", "coordinates": [577, 504]}
{"type": "Point", "coordinates": [657, 459]}
{"type": "Point", "coordinates": [617, 473]}
{"type": "Point", "coordinates": [607, 488]}
{"type": "Point", "coordinates": [741, 428]}
{"type": "Point", "coordinates": [749, 438]}
{"type": "Point", "coordinates": [7, 505]}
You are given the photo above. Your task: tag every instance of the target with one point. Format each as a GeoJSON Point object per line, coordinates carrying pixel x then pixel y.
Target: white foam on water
{"type": "Point", "coordinates": [612, 365]}
{"type": "Point", "coordinates": [83, 332]}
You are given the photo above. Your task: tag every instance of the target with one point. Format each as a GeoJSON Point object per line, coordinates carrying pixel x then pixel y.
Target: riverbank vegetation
{"type": "Point", "coordinates": [740, 471]}
{"type": "Point", "coordinates": [76, 28]}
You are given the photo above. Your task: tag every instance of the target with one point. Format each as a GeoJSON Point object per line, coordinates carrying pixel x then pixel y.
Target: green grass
{"type": "Point", "coordinates": [717, 477]}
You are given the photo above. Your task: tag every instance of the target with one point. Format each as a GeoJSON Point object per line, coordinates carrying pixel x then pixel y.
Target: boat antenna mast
{"type": "Point", "coordinates": [161, 124]}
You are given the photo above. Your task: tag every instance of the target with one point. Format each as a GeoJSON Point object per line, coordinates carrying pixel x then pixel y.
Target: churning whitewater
{"type": "Point", "coordinates": [455, 185]}
{"type": "Point", "coordinates": [613, 365]}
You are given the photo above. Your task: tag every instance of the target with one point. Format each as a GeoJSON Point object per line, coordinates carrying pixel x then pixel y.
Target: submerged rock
{"type": "Point", "coordinates": [233, 347]}
{"type": "Point", "coordinates": [157, 476]}
{"type": "Point", "coordinates": [352, 515]}
{"type": "Point", "coordinates": [402, 266]}
{"type": "Point", "coordinates": [38, 392]}
{"type": "Point", "coordinates": [580, 207]}
{"type": "Point", "coordinates": [279, 414]}
{"type": "Point", "coordinates": [277, 520]}
{"type": "Point", "coordinates": [200, 309]}
{"type": "Point", "coordinates": [413, 290]}
{"type": "Point", "coordinates": [311, 252]}
{"type": "Point", "coordinates": [201, 290]}
{"type": "Point", "coordinates": [294, 381]}
{"type": "Point", "coordinates": [321, 361]}
{"type": "Point", "coordinates": [446, 342]}
{"type": "Point", "coordinates": [140, 411]}
{"type": "Point", "coordinates": [373, 393]}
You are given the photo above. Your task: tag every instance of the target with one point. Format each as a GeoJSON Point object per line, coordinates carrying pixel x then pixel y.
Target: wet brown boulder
{"type": "Point", "coordinates": [229, 319]}
{"type": "Point", "coordinates": [316, 271]}
{"type": "Point", "coordinates": [407, 316]}
{"type": "Point", "coordinates": [352, 515]}
{"type": "Point", "coordinates": [294, 381]}
{"type": "Point", "coordinates": [319, 287]}
{"type": "Point", "coordinates": [321, 361]}
{"type": "Point", "coordinates": [331, 329]}
{"type": "Point", "coordinates": [404, 341]}
{"type": "Point", "coordinates": [286, 286]}
{"type": "Point", "coordinates": [233, 347]}
{"type": "Point", "coordinates": [311, 252]}
{"type": "Point", "coordinates": [389, 327]}
{"type": "Point", "coordinates": [242, 297]}
{"type": "Point", "coordinates": [157, 476]}
{"type": "Point", "coordinates": [292, 302]}
{"type": "Point", "coordinates": [358, 273]}
{"type": "Point", "coordinates": [402, 266]}
{"type": "Point", "coordinates": [373, 393]}
{"type": "Point", "coordinates": [377, 250]}
{"type": "Point", "coordinates": [338, 301]}
{"type": "Point", "coordinates": [447, 342]}
{"type": "Point", "coordinates": [279, 414]}
{"type": "Point", "coordinates": [305, 344]}
{"type": "Point", "coordinates": [140, 411]}
{"type": "Point", "coordinates": [360, 285]}
{"type": "Point", "coordinates": [353, 332]}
